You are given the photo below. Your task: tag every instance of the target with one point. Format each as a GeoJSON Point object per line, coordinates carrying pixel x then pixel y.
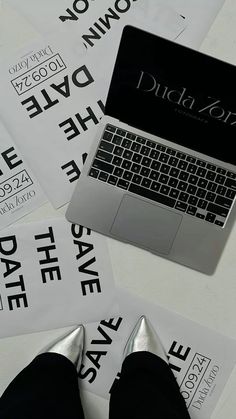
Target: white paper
{"type": "Point", "coordinates": [55, 92]}
{"type": "Point", "coordinates": [201, 359]}
{"type": "Point", "coordinates": [53, 274]}
{"type": "Point", "coordinates": [20, 192]}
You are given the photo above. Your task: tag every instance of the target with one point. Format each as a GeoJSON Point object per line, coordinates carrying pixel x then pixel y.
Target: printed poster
{"type": "Point", "coordinates": [201, 360]}
{"type": "Point", "coordinates": [20, 192]}
{"type": "Point", "coordinates": [55, 91]}
{"type": "Point", "coordinates": [53, 274]}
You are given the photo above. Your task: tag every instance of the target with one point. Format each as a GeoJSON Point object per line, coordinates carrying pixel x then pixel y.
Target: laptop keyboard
{"type": "Point", "coordinates": [164, 175]}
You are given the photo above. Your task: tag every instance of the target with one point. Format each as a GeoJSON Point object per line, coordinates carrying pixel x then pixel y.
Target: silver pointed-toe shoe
{"type": "Point", "coordinates": [144, 338]}
{"type": "Point", "coordinates": [70, 345]}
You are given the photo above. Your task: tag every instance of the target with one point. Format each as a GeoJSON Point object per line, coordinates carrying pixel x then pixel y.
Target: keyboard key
{"type": "Point", "coordinates": [146, 161]}
{"type": "Point", "coordinates": [191, 159]}
{"type": "Point", "coordinates": [137, 179]}
{"type": "Point", "coordinates": [173, 161]}
{"type": "Point", "coordinates": [221, 190]}
{"type": "Point", "coordinates": [118, 151]}
{"type": "Point", "coordinates": [94, 173]}
{"type": "Point", "coordinates": [202, 183]}
{"type": "Point", "coordinates": [230, 183]}
{"type": "Point", "coordinates": [131, 136]}
{"type": "Point", "coordinates": [181, 206]}
{"type": "Point", "coordinates": [173, 182]}
{"type": "Point", "coordinates": [136, 158]}
{"type": "Point", "coordinates": [171, 151]}
{"type": "Point", "coordinates": [201, 193]}
{"type": "Point", "coordinates": [221, 171]}
{"type": "Point", "coordinates": [151, 144]}
{"type": "Point", "coordinates": [201, 163]}
{"type": "Point", "coordinates": [107, 136]}
{"type": "Point", "coordinates": [220, 179]}
{"type": "Point", "coordinates": [191, 210]}
{"type": "Point", "coordinates": [145, 151]}
{"type": "Point", "coordinates": [135, 168]}
{"type": "Point", "coordinates": [211, 175]}
{"type": "Point", "coordinates": [145, 171]}
{"type": "Point", "coordinates": [118, 172]}
{"type": "Point", "coordinates": [165, 189]}
{"type": "Point", "coordinates": [103, 155]}
{"type": "Point", "coordinates": [116, 161]}
{"type": "Point", "coordinates": [210, 196]}
{"type": "Point", "coordinates": [103, 176]}
{"type": "Point", "coordinates": [182, 165]}
{"type": "Point", "coordinates": [155, 165]}
{"type": "Point", "coordinates": [183, 176]}
{"type": "Point", "coordinates": [174, 193]}
{"type": "Point", "coordinates": [193, 179]}
{"type": "Point", "coordinates": [199, 215]}
{"type": "Point", "coordinates": [181, 155]}
{"type": "Point", "coordinates": [223, 202]}
{"type": "Point", "coordinates": [210, 217]}
{"type": "Point", "coordinates": [231, 175]}
{"type": "Point", "coordinates": [104, 145]}
{"type": "Point", "coordinates": [191, 168]}
{"type": "Point", "coordinates": [154, 154]}
{"type": "Point", "coordinates": [160, 147]}
{"type": "Point", "coordinates": [163, 178]}
{"type": "Point", "coordinates": [110, 128]}
{"type": "Point", "coordinates": [201, 172]}
{"type": "Point", "coordinates": [183, 197]}
{"type": "Point", "coordinates": [211, 167]}
{"type": "Point", "coordinates": [216, 209]}
{"type": "Point", "coordinates": [191, 189]}
{"type": "Point", "coordinates": [150, 194]}
{"type": "Point", "coordinates": [230, 193]}
{"type": "Point", "coordinates": [105, 167]}
{"type": "Point", "coordinates": [154, 175]}
{"type": "Point", "coordinates": [219, 223]}
{"type": "Point", "coordinates": [182, 186]}
{"type": "Point", "coordinates": [165, 169]}
{"type": "Point", "coordinates": [164, 158]}
{"type": "Point", "coordinates": [121, 132]}
{"type": "Point", "coordinates": [136, 147]}
{"type": "Point", "coordinates": [126, 164]}
{"type": "Point", "coordinates": [193, 200]}
{"type": "Point", "coordinates": [112, 180]}
{"type": "Point", "coordinates": [202, 204]}
{"type": "Point", "coordinates": [174, 172]}
{"type": "Point", "coordinates": [155, 186]}
{"type": "Point", "coordinates": [128, 154]}
{"type": "Point", "coordinates": [146, 183]}
{"type": "Point", "coordinates": [126, 143]}
{"type": "Point", "coordinates": [117, 140]}
{"type": "Point", "coordinates": [123, 184]}
{"type": "Point", "coordinates": [140, 140]}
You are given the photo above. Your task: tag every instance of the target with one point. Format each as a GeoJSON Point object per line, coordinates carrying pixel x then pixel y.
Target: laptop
{"type": "Point", "coordinates": [161, 173]}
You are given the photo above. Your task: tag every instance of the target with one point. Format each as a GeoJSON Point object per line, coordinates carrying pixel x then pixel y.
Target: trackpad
{"type": "Point", "coordinates": [146, 225]}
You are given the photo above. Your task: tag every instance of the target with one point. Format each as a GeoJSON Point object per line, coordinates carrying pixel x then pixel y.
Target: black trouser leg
{"type": "Point", "coordinates": [147, 389]}
{"type": "Point", "coordinates": [46, 389]}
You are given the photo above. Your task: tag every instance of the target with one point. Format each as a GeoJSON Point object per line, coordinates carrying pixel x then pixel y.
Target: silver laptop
{"type": "Point", "coordinates": [161, 173]}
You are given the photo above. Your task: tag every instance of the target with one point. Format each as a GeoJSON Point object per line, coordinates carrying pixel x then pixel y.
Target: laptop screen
{"type": "Point", "coordinates": [176, 93]}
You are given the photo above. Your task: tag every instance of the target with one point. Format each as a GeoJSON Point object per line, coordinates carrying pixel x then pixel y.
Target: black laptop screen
{"type": "Point", "coordinates": [176, 93]}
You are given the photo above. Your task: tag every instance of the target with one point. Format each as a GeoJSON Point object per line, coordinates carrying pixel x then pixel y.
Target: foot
{"type": "Point", "coordinates": [70, 345]}
{"type": "Point", "coordinates": [144, 338]}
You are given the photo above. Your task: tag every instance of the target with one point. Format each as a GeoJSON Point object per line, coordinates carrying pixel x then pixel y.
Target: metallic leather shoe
{"type": "Point", "coordinates": [144, 338]}
{"type": "Point", "coordinates": [70, 345]}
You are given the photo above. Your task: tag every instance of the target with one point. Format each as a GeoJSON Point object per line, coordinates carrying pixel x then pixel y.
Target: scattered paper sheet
{"type": "Point", "coordinates": [20, 192]}
{"type": "Point", "coordinates": [55, 91]}
{"type": "Point", "coordinates": [53, 274]}
{"type": "Point", "coordinates": [201, 359]}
